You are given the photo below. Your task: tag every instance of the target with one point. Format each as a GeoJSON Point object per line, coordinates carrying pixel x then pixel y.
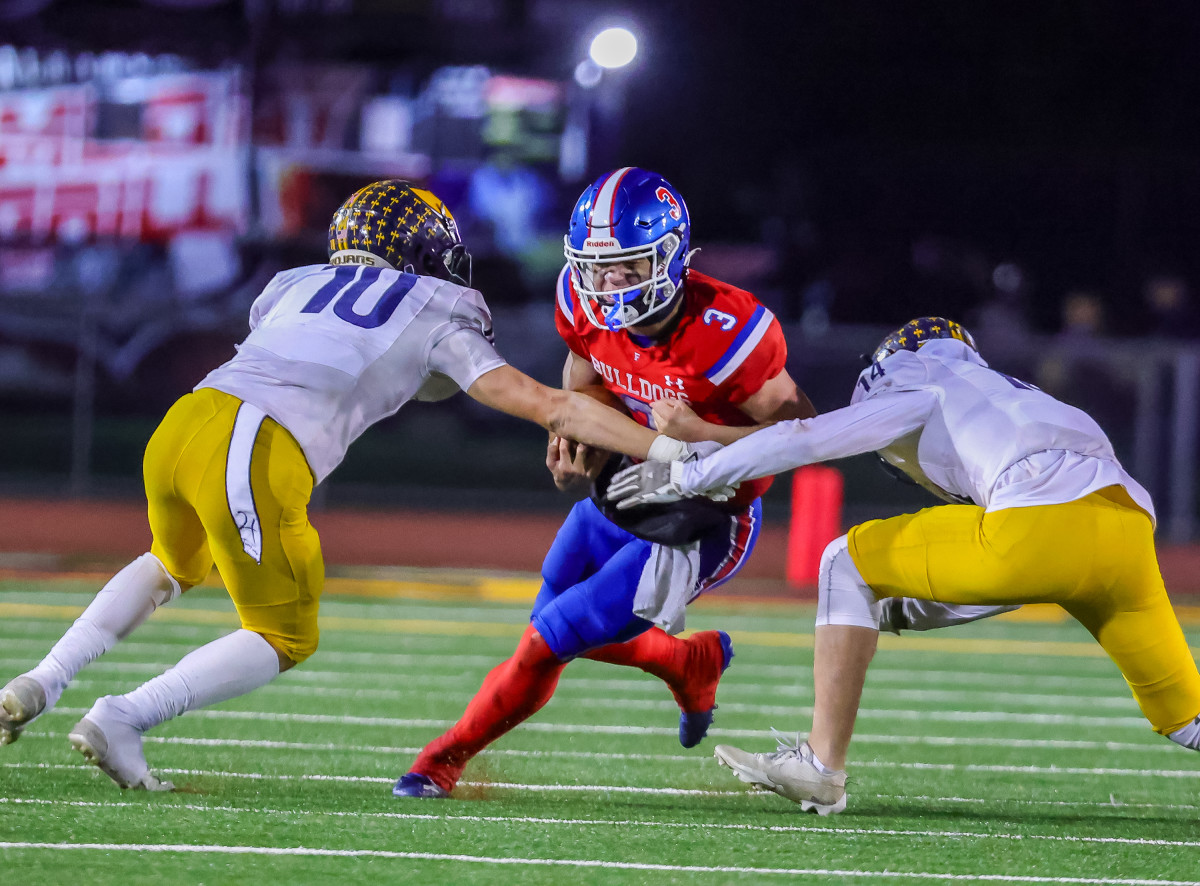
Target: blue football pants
{"type": "Point", "coordinates": [591, 573]}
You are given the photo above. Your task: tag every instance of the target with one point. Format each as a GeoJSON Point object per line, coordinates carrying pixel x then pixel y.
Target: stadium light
{"type": "Point", "coordinates": [588, 74]}
{"type": "Point", "coordinates": [613, 48]}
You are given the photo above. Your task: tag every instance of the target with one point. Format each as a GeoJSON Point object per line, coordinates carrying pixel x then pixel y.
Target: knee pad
{"type": "Point", "coordinates": [165, 586]}
{"type": "Point", "coordinates": [534, 652]}
{"type": "Point", "coordinates": [132, 595]}
{"type": "Point", "coordinates": [597, 610]}
{"type": "Point", "coordinates": [146, 576]}
{"type": "Point", "coordinates": [571, 631]}
{"type": "Point", "coordinates": [843, 598]}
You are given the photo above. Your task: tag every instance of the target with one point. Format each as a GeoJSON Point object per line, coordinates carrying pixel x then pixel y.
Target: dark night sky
{"type": "Point", "coordinates": [1066, 74]}
{"type": "Point", "coordinates": [1059, 135]}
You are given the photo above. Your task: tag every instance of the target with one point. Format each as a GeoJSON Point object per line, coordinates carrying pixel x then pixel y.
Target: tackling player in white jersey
{"type": "Point", "coordinates": [1048, 515]}
{"type": "Point", "coordinates": [333, 348]}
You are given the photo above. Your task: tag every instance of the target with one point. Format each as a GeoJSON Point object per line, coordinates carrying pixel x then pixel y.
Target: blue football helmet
{"type": "Point", "coordinates": [915, 333]}
{"type": "Point", "coordinates": [624, 216]}
{"type": "Point", "coordinates": [397, 225]}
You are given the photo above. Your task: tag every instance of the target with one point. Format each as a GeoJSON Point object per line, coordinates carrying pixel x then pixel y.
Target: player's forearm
{"type": "Point", "coordinates": [562, 413]}
{"type": "Point", "coordinates": [724, 434]}
{"type": "Point", "coordinates": [579, 417]}
{"type": "Point", "coordinates": [863, 427]}
{"type": "Point", "coordinates": [777, 400]}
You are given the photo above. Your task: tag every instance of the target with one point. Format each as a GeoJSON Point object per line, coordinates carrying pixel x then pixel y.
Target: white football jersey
{"type": "Point", "coordinates": [332, 350]}
{"type": "Point", "coordinates": [956, 427]}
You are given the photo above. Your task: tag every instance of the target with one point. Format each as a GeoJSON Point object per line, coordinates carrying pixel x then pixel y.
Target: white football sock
{"type": "Point", "coordinates": [223, 669]}
{"type": "Point", "coordinates": [818, 765]}
{"type": "Point", "coordinates": [120, 606]}
{"type": "Point", "coordinates": [1188, 736]}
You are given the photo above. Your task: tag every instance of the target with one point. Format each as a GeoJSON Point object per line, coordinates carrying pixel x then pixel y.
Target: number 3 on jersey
{"type": "Point", "coordinates": [349, 290]}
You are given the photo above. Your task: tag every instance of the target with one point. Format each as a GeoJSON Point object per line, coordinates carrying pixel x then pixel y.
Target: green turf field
{"type": "Point", "coordinates": [1006, 752]}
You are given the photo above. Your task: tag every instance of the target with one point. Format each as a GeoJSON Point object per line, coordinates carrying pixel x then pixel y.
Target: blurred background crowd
{"type": "Point", "coordinates": [1029, 169]}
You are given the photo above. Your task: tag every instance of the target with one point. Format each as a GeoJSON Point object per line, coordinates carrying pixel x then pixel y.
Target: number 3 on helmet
{"type": "Point", "coordinates": [625, 216]}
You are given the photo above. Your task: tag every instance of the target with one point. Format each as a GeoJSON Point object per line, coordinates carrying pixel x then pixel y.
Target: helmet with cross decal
{"type": "Point", "coordinates": [397, 225]}
{"type": "Point", "coordinates": [915, 333]}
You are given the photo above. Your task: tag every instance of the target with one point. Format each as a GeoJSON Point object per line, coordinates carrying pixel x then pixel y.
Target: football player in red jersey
{"type": "Point", "coordinates": [644, 328]}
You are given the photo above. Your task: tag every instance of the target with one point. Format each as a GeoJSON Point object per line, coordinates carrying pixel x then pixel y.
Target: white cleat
{"type": "Point", "coordinates": [22, 700]}
{"type": "Point", "coordinates": [114, 745]}
{"type": "Point", "coordinates": [789, 772]}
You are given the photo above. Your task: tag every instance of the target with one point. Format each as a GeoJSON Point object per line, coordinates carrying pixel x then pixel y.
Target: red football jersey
{"type": "Point", "coordinates": [725, 347]}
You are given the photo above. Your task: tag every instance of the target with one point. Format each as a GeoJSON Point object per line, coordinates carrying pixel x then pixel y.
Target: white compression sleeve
{"type": "Point", "coordinates": [120, 606]}
{"type": "Point", "coordinates": [843, 598]}
{"type": "Point", "coordinates": [862, 427]}
{"type": "Point", "coordinates": [925, 615]}
{"type": "Point", "coordinates": [1188, 736]}
{"type": "Point", "coordinates": [223, 669]}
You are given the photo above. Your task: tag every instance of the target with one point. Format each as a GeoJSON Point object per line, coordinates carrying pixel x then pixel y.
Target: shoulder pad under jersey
{"type": "Point", "coordinates": [467, 307]}
{"type": "Point", "coordinates": [901, 371]}
{"type": "Point", "coordinates": [730, 336]}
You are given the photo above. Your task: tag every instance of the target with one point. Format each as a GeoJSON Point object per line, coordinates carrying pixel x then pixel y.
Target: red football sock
{"type": "Point", "coordinates": [691, 668]}
{"type": "Point", "coordinates": [512, 692]}
{"type": "Point", "coordinates": [654, 651]}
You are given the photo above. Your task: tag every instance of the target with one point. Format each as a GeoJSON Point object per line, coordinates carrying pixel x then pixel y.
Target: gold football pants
{"type": "Point", "coordinates": [227, 485]}
{"type": "Point", "coordinates": [1093, 557]}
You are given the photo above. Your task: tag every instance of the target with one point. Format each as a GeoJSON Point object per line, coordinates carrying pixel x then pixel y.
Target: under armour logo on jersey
{"type": "Point", "coordinates": [620, 381]}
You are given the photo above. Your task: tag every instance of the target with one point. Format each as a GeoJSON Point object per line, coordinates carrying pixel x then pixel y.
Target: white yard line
{"type": "Point", "coordinates": [798, 711]}
{"type": "Point", "coordinates": [798, 673]}
{"type": "Point", "coordinates": [1157, 747]}
{"type": "Point", "coordinates": [832, 831]}
{"type": "Point", "coordinates": [777, 635]}
{"type": "Point", "coordinates": [568, 694]}
{"type": "Point", "coordinates": [297, 683]}
{"type": "Point", "coordinates": [937, 767]}
{"type": "Point", "coordinates": [823, 873]}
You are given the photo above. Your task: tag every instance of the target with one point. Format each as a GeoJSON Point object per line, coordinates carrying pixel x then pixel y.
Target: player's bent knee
{"type": "Point", "coordinates": [843, 598]}
{"type": "Point", "coordinates": [535, 651]}
{"type": "Point", "coordinates": [556, 634]}
{"type": "Point", "coordinates": [568, 634]}
{"type": "Point", "coordinates": [187, 570]}
{"type": "Point", "coordinates": [292, 649]}
{"type": "Point", "coordinates": [149, 575]}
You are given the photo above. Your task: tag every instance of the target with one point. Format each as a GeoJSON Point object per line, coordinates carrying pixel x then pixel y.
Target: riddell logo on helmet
{"type": "Point", "coordinates": [597, 243]}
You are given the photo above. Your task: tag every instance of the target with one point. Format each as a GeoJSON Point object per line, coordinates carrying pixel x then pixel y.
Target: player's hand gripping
{"type": "Point", "coordinates": [658, 482]}
{"type": "Point", "coordinates": [648, 483]}
{"type": "Point", "coordinates": [675, 418]}
{"type": "Point", "coordinates": [573, 464]}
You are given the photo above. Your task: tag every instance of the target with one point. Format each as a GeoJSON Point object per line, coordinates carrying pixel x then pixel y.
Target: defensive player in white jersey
{"type": "Point", "coordinates": [333, 348]}
{"type": "Point", "coordinates": [1048, 515]}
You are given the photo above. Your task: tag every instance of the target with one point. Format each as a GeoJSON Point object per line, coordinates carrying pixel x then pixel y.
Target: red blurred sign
{"type": "Point", "coordinates": [59, 183]}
